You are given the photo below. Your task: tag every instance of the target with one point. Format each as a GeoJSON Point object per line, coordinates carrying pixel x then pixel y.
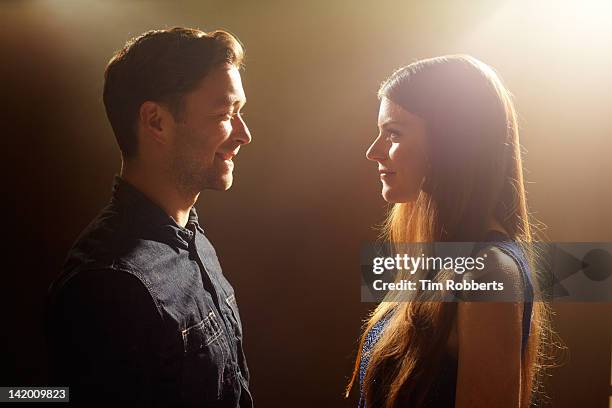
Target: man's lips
{"type": "Point", "coordinates": [385, 172]}
{"type": "Point", "coordinates": [227, 156]}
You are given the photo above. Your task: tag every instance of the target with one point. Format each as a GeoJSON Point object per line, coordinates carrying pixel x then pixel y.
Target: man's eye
{"type": "Point", "coordinates": [232, 115]}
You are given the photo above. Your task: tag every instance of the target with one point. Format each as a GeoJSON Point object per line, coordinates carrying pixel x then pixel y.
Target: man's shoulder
{"type": "Point", "coordinates": [98, 280]}
{"type": "Point", "coordinates": [94, 264]}
{"type": "Point", "coordinates": [97, 240]}
{"type": "Point", "coordinates": [100, 291]}
{"type": "Point", "coordinates": [111, 241]}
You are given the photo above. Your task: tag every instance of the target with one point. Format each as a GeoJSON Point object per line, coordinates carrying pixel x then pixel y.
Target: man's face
{"type": "Point", "coordinates": [210, 132]}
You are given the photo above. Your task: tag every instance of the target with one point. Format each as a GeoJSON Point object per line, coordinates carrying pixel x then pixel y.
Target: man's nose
{"type": "Point", "coordinates": [242, 134]}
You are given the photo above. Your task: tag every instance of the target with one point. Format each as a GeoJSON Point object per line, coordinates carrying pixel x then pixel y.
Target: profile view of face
{"type": "Point", "coordinates": [209, 133]}
{"type": "Point", "coordinates": [400, 151]}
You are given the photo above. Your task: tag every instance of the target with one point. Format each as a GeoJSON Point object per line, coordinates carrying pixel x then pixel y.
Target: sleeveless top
{"type": "Point", "coordinates": [442, 392]}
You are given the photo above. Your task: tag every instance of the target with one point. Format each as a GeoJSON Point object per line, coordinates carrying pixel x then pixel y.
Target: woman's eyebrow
{"type": "Point", "coordinates": [391, 123]}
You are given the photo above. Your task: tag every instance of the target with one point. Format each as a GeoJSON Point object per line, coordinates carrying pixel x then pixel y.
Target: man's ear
{"type": "Point", "coordinates": [156, 121]}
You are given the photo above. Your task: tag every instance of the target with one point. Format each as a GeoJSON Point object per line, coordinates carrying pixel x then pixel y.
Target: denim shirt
{"type": "Point", "coordinates": [142, 313]}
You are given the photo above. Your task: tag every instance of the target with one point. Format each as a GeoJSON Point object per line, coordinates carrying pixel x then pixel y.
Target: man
{"type": "Point", "coordinates": [142, 313]}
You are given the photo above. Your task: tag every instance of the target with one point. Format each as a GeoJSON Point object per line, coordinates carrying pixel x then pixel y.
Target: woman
{"type": "Point", "coordinates": [449, 160]}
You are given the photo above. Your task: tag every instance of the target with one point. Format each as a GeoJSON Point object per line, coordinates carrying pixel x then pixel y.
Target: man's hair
{"type": "Point", "coordinates": [161, 66]}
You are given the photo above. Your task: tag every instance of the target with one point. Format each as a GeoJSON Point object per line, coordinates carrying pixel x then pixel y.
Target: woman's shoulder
{"type": "Point", "coordinates": [503, 252]}
{"type": "Point", "coordinates": [500, 262]}
{"type": "Point", "coordinates": [504, 268]}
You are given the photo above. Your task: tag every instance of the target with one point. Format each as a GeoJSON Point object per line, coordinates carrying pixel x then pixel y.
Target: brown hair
{"type": "Point", "coordinates": [475, 174]}
{"type": "Point", "coordinates": [161, 66]}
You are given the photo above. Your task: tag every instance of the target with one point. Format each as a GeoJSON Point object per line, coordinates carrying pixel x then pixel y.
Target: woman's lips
{"type": "Point", "coordinates": [385, 173]}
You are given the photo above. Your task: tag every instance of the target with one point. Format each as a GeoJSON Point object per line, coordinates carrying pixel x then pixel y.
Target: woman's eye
{"type": "Point", "coordinates": [394, 136]}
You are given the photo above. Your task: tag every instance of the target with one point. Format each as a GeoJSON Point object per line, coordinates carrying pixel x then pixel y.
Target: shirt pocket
{"type": "Point", "coordinates": [206, 356]}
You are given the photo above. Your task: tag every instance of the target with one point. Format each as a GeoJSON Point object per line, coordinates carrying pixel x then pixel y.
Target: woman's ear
{"type": "Point", "coordinates": [427, 183]}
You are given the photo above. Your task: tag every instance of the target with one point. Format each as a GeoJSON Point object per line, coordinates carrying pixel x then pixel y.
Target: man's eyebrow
{"type": "Point", "coordinates": [229, 100]}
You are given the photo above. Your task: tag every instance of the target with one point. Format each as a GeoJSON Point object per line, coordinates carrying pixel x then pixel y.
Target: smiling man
{"type": "Point", "coordinates": [142, 313]}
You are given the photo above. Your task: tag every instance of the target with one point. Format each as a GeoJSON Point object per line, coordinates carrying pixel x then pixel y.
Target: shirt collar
{"type": "Point", "coordinates": [145, 212]}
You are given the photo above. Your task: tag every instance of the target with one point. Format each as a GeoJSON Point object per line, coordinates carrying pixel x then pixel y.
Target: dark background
{"type": "Point", "coordinates": [289, 231]}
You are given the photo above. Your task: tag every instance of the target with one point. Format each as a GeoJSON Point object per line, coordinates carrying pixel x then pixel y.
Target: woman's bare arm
{"type": "Point", "coordinates": [489, 341]}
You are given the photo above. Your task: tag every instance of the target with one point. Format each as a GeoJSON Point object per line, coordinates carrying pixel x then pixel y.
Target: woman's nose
{"type": "Point", "coordinates": [376, 151]}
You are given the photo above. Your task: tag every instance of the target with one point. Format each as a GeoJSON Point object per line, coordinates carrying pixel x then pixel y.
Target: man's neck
{"type": "Point", "coordinates": [161, 190]}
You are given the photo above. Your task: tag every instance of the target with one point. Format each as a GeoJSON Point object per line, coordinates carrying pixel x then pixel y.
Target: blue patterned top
{"type": "Point", "coordinates": [447, 381]}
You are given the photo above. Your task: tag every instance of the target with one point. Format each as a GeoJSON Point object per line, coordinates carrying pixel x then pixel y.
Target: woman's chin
{"type": "Point", "coordinates": [393, 197]}
{"type": "Point", "coordinates": [388, 196]}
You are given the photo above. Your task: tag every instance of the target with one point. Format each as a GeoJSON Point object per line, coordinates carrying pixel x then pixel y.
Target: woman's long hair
{"type": "Point", "coordinates": [475, 175]}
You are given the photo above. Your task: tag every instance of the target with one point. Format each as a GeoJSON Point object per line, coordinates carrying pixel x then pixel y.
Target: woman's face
{"type": "Point", "coordinates": [400, 152]}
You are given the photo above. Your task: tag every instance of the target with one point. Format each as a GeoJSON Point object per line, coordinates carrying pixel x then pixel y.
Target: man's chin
{"type": "Point", "coordinates": [222, 184]}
